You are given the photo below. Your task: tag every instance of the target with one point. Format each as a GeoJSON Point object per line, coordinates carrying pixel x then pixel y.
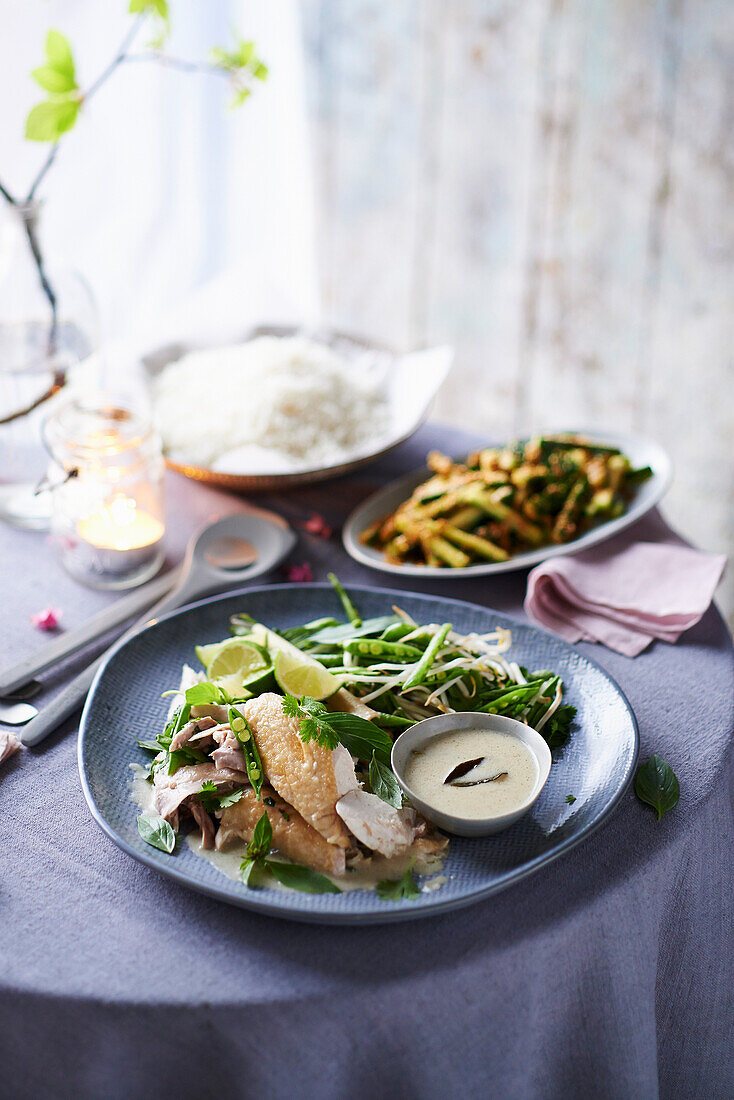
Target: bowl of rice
{"type": "Point", "coordinates": [284, 407]}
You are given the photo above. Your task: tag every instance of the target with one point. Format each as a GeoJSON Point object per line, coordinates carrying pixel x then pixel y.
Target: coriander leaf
{"type": "Point", "coordinates": [301, 878]}
{"type": "Point", "coordinates": [204, 693]}
{"type": "Point", "coordinates": [262, 838]}
{"type": "Point", "coordinates": [397, 890]}
{"type": "Point", "coordinates": [157, 832]}
{"type": "Point", "coordinates": [384, 784]}
{"type": "Point", "coordinates": [570, 798]}
{"type": "Point", "coordinates": [657, 785]}
{"type": "Point", "coordinates": [208, 785]}
{"type": "Point", "coordinates": [48, 121]}
{"type": "Point", "coordinates": [557, 730]}
{"type": "Point", "coordinates": [315, 722]}
{"type": "Point", "coordinates": [230, 799]}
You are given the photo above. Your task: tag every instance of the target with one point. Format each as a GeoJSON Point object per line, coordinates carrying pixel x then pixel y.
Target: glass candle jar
{"type": "Point", "coordinates": [108, 515]}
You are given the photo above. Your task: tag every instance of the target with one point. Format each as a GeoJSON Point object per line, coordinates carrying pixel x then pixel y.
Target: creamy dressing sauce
{"type": "Point", "coordinates": [500, 754]}
{"type": "Point", "coordinates": [364, 874]}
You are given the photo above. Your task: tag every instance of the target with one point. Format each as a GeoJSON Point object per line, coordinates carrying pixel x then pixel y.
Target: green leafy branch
{"type": "Point", "coordinates": [51, 119]}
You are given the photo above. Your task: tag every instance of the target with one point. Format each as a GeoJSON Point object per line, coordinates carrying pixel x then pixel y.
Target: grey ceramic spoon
{"type": "Point", "coordinates": [219, 557]}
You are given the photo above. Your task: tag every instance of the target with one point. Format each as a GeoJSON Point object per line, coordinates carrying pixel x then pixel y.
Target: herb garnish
{"type": "Point", "coordinates": [157, 832]}
{"type": "Point", "coordinates": [330, 728]}
{"type": "Point", "coordinates": [657, 785]}
{"type": "Point", "coordinates": [570, 798]}
{"type": "Point", "coordinates": [256, 862]}
{"type": "Point", "coordinates": [399, 889]}
{"type": "Point", "coordinates": [384, 784]}
{"type": "Point", "coordinates": [253, 763]}
{"type": "Point", "coordinates": [557, 730]}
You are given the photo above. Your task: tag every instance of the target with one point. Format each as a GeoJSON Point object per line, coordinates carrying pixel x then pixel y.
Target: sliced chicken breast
{"type": "Point", "coordinates": [171, 790]}
{"type": "Point", "coordinates": [293, 837]}
{"type": "Point", "coordinates": [376, 824]}
{"type": "Point", "coordinates": [303, 774]}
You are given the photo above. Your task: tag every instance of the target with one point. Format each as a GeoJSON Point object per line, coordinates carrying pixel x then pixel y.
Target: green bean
{"type": "Point", "coordinates": [395, 632]}
{"type": "Point", "coordinates": [444, 551]}
{"type": "Point", "coordinates": [253, 763]}
{"type": "Point", "coordinates": [351, 611]}
{"type": "Point", "coordinates": [373, 647]}
{"type": "Point", "coordinates": [392, 721]}
{"type": "Point", "coordinates": [421, 669]}
{"type": "Point", "coordinates": [479, 546]}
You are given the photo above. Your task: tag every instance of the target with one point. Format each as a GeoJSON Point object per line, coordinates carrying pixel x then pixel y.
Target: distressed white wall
{"type": "Point", "coordinates": [547, 185]}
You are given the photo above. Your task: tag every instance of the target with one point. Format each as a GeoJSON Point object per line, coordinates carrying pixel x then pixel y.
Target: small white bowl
{"type": "Point", "coordinates": [429, 728]}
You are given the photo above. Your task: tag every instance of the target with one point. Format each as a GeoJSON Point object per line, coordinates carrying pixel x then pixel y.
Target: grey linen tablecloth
{"type": "Point", "coordinates": [607, 974]}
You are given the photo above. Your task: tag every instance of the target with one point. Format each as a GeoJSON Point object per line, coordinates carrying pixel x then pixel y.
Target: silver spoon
{"type": "Point", "coordinates": [219, 557]}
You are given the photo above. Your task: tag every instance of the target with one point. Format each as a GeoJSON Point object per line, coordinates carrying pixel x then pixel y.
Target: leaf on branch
{"type": "Point", "coordinates": [48, 121]}
{"type": "Point", "coordinates": [150, 7]}
{"type": "Point", "coordinates": [53, 80]}
{"type": "Point", "coordinates": [59, 56]}
{"type": "Point", "coordinates": [158, 9]}
{"type": "Point", "coordinates": [242, 64]}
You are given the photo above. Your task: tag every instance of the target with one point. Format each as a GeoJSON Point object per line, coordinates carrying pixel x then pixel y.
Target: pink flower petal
{"type": "Point", "coordinates": [299, 574]}
{"type": "Point", "coordinates": [318, 526]}
{"type": "Point", "coordinates": [48, 619]}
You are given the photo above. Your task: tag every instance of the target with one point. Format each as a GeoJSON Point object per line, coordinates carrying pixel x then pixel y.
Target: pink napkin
{"type": "Point", "coordinates": [625, 599]}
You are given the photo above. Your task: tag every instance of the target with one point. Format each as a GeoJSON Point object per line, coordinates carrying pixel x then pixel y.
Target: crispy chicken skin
{"type": "Point", "coordinates": [302, 773]}
{"type": "Point", "coordinates": [293, 837]}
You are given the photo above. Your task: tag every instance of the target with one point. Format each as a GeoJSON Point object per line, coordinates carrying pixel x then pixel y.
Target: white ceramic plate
{"type": "Point", "coordinates": [410, 383]}
{"type": "Point", "coordinates": [641, 452]}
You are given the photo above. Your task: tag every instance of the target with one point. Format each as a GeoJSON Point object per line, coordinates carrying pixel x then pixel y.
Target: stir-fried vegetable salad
{"type": "Point", "coordinates": [505, 500]}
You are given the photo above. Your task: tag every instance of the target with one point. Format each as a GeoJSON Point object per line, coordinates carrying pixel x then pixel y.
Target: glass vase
{"type": "Point", "coordinates": [48, 323]}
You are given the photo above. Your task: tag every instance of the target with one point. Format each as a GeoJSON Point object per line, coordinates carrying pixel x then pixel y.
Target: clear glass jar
{"type": "Point", "coordinates": [108, 517]}
{"type": "Point", "coordinates": [48, 324]}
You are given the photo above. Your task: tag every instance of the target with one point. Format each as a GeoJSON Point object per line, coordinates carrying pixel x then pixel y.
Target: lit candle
{"type": "Point", "coordinates": [120, 537]}
{"type": "Point", "coordinates": [108, 510]}
{"type": "Point", "coordinates": [121, 525]}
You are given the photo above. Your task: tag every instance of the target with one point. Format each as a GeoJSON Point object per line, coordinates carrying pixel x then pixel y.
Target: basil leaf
{"type": "Point", "coordinates": [361, 737]}
{"type": "Point", "coordinates": [157, 832]}
{"type": "Point", "coordinates": [151, 746]}
{"type": "Point", "coordinates": [252, 872]}
{"type": "Point", "coordinates": [657, 785]}
{"type": "Point", "coordinates": [399, 889]}
{"type": "Point", "coordinates": [384, 784]}
{"type": "Point", "coordinates": [201, 694]}
{"type": "Point", "coordinates": [262, 838]}
{"type": "Point", "coordinates": [301, 878]}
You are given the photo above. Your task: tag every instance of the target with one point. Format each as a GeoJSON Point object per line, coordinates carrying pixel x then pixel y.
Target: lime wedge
{"type": "Point", "coordinates": [235, 663]}
{"type": "Point", "coordinates": [234, 687]}
{"type": "Point", "coordinates": [298, 675]}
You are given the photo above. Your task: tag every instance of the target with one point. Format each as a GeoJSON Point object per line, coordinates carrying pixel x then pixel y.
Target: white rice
{"type": "Point", "coordinates": [273, 403]}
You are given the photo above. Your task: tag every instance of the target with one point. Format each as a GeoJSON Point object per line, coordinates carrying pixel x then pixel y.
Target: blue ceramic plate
{"type": "Point", "coordinates": [125, 703]}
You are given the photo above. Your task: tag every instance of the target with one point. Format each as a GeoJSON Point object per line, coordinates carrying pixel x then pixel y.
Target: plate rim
{"type": "Point", "coordinates": [402, 911]}
{"type": "Point", "coordinates": [407, 482]}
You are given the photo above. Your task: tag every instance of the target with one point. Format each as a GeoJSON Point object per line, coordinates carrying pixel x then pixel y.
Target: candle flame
{"type": "Point", "coordinates": [121, 525]}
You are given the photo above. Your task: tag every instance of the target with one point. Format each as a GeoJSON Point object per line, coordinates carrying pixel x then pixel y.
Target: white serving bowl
{"type": "Point", "coordinates": [419, 734]}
